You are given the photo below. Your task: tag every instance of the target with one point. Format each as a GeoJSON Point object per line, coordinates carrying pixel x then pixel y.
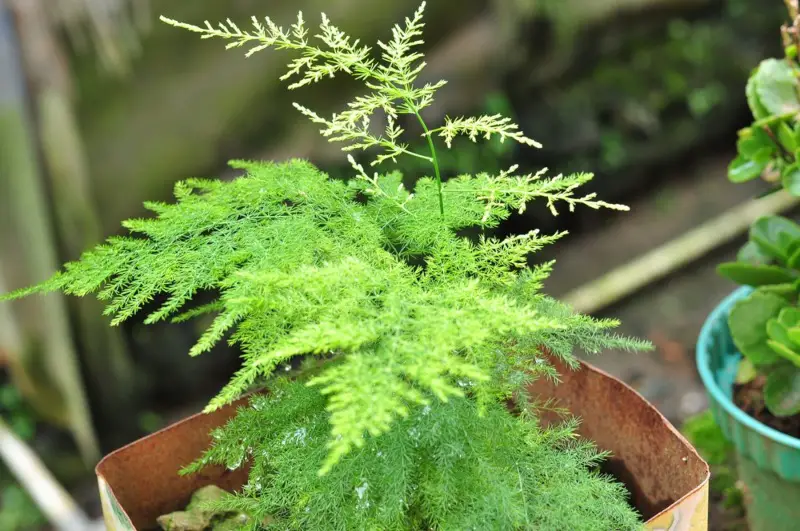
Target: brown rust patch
{"type": "Point", "coordinates": [639, 499]}
{"type": "Point", "coordinates": [654, 461]}
{"type": "Point", "coordinates": [143, 476]}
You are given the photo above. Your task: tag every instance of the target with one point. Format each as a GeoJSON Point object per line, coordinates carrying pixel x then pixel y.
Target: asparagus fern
{"type": "Point", "coordinates": [415, 335]}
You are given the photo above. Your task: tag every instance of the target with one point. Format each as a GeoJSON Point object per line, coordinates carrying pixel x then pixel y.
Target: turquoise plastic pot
{"type": "Point", "coordinates": [768, 460]}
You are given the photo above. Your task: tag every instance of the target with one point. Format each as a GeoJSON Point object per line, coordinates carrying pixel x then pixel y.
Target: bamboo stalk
{"type": "Point", "coordinates": [51, 498]}
{"type": "Point", "coordinates": [663, 260]}
{"type": "Point", "coordinates": [43, 353]}
{"type": "Point", "coordinates": [104, 355]}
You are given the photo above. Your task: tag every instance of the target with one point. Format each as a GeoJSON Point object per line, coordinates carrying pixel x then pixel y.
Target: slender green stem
{"type": "Point", "coordinates": [435, 161]}
{"type": "Point", "coordinates": [417, 155]}
{"type": "Point", "coordinates": [788, 157]}
{"type": "Point", "coordinates": [769, 120]}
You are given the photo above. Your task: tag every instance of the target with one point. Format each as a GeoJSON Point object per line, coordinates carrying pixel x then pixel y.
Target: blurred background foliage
{"type": "Point", "coordinates": [101, 108]}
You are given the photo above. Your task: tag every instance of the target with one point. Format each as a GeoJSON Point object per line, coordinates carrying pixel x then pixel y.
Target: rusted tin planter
{"type": "Point", "coordinates": [668, 480]}
{"type": "Point", "coordinates": [768, 461]}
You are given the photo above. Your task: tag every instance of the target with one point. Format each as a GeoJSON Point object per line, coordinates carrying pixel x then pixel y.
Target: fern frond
{"type": "Point", "coordinates": [303, 269]}
{"type": "Point", "coordinates": [204, 309]}
{"type": "Point", "coordinates": [48, 286]}
{"type": "Point", "coordinates": [443, 466]}
{"type": "Point", "coordinates": [483, 126]}
{"type": "Point", "coordinates": [391, 81]}
{"type": "Point", "coordinates": [507, 190]}
{"type": "Point", "coordinates": [398, 55]}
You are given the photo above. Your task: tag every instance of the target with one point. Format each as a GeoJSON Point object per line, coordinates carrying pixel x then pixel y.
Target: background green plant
{"type": "Point", "coordinates": [766, 325]}
{"type": "Point", "coordinates": [706, 436]}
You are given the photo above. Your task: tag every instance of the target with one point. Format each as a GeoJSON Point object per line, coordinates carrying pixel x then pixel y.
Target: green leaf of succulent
{"type": "Point", "coordinates": [794, 259]}
{"type": "Point", "coordinates": [752, 140]}
{"type": "Point", "coordinates": [791, 249]}
{"type": "Point", "coordinates": [755, 275]}
{"type": "Point", "coordinates": [786, 137]}
{"type": "Point", "coordinates": [748, 324]}
{"type": "Point", "coordinates": [784, 338]}
{"type": "Point", "coordinates": [759, 111]}
{"type": "Point", "coordinates": [775, 235]}
{"type": "Point", "coordinates": [743, 169]}
{"type": "Point", "coordinates": [746, 372]}
{"type": "Point", "coordinates": [776, 87]}
{"type": "Point", "coordinates": [782, 391]}
{"type": "Point", "coordinates": [789, 316]}
{"type": "Point", "coordinates": [778, 332]}
{"type": "Point", "coordinates": [764, 155]}
{"type": "Point", "coordinates": [787, 291]}
{"type": "Point", "coordinates": [790, 179]}
{"type": "Point", "coordinates": [785, 352]}
{"type": "Point", "coordinates": [751, 253]}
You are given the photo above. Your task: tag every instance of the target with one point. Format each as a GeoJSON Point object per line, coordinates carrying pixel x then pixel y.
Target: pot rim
{"type": "Point", "coordinates": [704, 368]}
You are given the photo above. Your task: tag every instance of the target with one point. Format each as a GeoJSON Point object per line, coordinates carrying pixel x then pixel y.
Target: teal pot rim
{"type": "Point", "coordinates": [710, 381]}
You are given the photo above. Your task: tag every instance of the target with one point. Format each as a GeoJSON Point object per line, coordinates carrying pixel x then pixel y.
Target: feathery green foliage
{"type": "Point", "coordinates": [392, 91]}
{"type": "Point", "coordinates": [304, 268]}
{"type": "Point", "coordinates": [414, 335]}
{"type": "Point", "coordinates": [444, 467]}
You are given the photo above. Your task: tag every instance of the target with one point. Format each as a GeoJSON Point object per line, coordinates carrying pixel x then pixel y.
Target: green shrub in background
{"type": "Point", "coordinates": [707, 438]}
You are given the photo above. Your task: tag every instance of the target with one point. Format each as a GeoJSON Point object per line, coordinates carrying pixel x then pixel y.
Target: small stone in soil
{"type": "Point", "coordinates": [184, 521]}
{"type": "Point", "coordinates": [210, 493]}
{"type": "Point", "coordinates": [232, 523]}
{"type": "Point", "coordinates": [197, 517]}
